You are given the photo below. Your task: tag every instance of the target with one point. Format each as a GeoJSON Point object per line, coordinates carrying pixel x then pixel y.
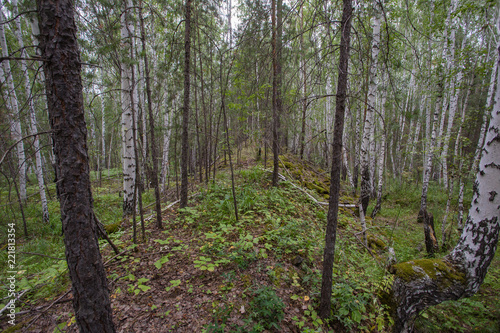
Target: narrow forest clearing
{"type": "Point", "coordinates": [207, 272]}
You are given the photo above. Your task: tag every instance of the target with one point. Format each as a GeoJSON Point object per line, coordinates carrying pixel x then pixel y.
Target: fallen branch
{"type": "Point", "coordinates": [46, 309]}
{"type": "Point", "coordinates": [170, 206]}
{"type": "Point", "coordinates": [17, 298]}
{"type": "Point", "coordinates": [119, 254]}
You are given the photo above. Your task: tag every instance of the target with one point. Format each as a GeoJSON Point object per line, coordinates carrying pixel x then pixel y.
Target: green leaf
{"type": "Point", "coordinates": [143, 287]}
{"type": "Point", "coordinates": [142, 280]}
{"type": "Point", "coordinates": [161, 261]}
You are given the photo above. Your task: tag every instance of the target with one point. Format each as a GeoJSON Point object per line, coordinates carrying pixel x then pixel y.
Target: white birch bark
{"type": "Point", "coordinates": [414, 142]}
{"type": "Point", "coordinates": [428, 162]}
{"type": "Point", "coordinates": [12, 105]}
{"type": "Point", "coordinates": [477, 244]}
{"type": "Point", "coordinates": [463, 270]}
{"type": "Point", "coordinates": [128, 157]}
{"type": "Point", "coordinates": [381, 155]}
{"type": "Point", "coordinates": [367, 129]}
{"type": "Point", "coordinates": [33, 122]}
{"type": "Point", "coordinates": [488, 106]}
{"type": "Point", "coordinates": [344, 140]}
{"type": "Point", "coordinates": [460, 212]}
{"type": "Point", "coordinates": [453, 102]}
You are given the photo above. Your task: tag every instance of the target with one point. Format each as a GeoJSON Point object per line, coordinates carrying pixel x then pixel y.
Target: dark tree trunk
{"type": "Point", "coordinates": [431, 243]}
{"type": "Point", "coordinates": [275, 95]}
{"type": "Point", "coordinates": [154, 154]}
{"type": "Point", "coordinates": [62, 66]}
{"type": "Point", "coordinates": [340, 101]}
{"type": "Point", "coordinates": [185, 111]}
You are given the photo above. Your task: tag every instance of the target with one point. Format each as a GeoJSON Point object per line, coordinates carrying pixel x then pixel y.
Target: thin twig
{"type": "Point", "coordinates": [46, 309]}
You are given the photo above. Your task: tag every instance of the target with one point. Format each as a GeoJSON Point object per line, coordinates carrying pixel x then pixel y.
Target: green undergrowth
{"type": "Point", "coordinates": [271, 254]}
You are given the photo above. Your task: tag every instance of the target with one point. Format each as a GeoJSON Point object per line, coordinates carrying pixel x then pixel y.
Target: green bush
{"type": "Point", "coordinates": [266, 308]}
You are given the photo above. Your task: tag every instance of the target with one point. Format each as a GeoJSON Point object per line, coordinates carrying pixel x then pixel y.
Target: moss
{"type": "Point", "coordinates": [247, 281]}
{"type": "Point", "coordinates": [111, 228]}
{"type": "Point", "coordinates": [436, 269]}
{"type": "Point", "coordinates": [316, 188]}
{"type": "Point", "coordinates": [375, 243]}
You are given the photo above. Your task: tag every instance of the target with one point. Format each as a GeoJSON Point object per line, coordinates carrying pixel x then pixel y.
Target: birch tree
{"type": "Point", "coordinates": [32, 116]}
{"type": "Point", "coordinates": [419, 284]}
{"type": "Point", "coordinates": [13, 107]}
{"type": "Point", "coordinates": [129, 162]}
{"type": "Point", "coordinates": [366, 187]}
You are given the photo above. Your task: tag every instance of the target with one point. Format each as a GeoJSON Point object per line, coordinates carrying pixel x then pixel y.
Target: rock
{"type": "Point", "coordinates": [297, 261]}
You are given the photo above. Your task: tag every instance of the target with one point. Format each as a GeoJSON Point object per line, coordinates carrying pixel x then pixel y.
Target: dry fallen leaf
{"type": "Point", "coordinates": [242, 309]}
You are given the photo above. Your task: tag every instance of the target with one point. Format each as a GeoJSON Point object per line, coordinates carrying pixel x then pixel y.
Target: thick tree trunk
{"type": "Point", "coordinates": [421, 283]}
{"type": "Point", "coordinates": [185, 111]}
{"type": "Point", "coordinates": [62, 66]}
{"type": "Point", "coordinates": [488, 106]}
{"type": "Point", "coordinates": [331, 227]}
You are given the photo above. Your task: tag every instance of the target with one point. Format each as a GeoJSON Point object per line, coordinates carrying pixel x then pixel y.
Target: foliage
{"type": "Point", "coordinates": [266, 308]}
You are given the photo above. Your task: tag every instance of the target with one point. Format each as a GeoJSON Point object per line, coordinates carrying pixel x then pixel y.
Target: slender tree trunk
{"type": "Point", "coordinates": [12, 105]}
{"type": "Point", "coordinates": [58, 45]}
{"type": "Point", "coordinates": [423, 215]}
{"type": "Point", "coordinates": [368, 124]}
{"type": "Point", "coordinates": [166, 149]}
{"type": "Point", "coordinates": [32, 116]}
{"type": "Point", "coordinates": [331, 227]}
{"type": "Point", "coordinates": [129, 161]}
{"type": "Point", "coordinates": [154, 154]}
{"type": "Point", "coordinates": [185, 111]}
{"type": "Point", "coordinates": [304, 83]}
{"type": "Point", "coordinates": [275, 128]}
{"type": "Point", "coordinates": [454, 91]}
{"type": "Point", "coordinates": [383, 131]}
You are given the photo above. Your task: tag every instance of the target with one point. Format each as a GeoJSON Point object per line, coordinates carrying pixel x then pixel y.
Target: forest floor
{"type": "Point", "coordinates": [205, 271]}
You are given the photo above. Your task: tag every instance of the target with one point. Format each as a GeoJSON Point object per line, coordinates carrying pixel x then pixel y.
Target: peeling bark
{"type": "Point", "coordinates": [421, 283]}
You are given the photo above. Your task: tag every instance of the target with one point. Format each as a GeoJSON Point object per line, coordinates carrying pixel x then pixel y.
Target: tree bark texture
{"type": "Point", "coordinates": [421, 283]}
{"type": "Point", "coordinates": [332, 219]}
{"type": "Point", "coordinates": [185, 111]}
{"type": "Point", "coordinates": [62, 67]}
{"type": "Point", "coordinates": [366, 184]}
{"type": "Point", "coordinates": [129, 162]}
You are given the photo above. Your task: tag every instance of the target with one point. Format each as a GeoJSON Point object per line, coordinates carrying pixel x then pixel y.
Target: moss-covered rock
{"type": "Point", "coordinates": [111, 228]}
{"type": "Point", "coordinates": [376, 243]}
{"type": "Point", "coordinates": [438, 270]}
